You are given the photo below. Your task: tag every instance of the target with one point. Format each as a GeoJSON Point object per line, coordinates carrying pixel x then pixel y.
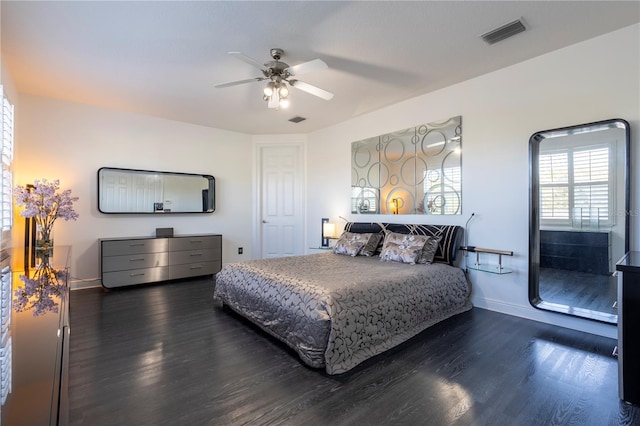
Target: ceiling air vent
{"type": "Point", "coordinates": [297, 119]}
{"type": "Point", "coordinates": [505, 31]}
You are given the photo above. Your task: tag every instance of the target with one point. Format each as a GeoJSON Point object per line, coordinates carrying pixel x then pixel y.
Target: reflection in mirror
{"type": "Point", "coordinates": [411, 171]}
{"type": "Point", "coordinates": [145, 191]}
{"type": "Point", "coordinates": [579, 182]}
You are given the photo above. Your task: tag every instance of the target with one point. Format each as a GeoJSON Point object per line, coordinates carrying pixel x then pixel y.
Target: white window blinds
{"type": "Point", "coordinates": [364, 200]}
{"type": "Point", "coordinates": [444, 188]}
{"type": "Point", "coordinates": [575, 186]}
{"type": "Point", "coordinates": [554, 186]}
{"type": "Point", "coordinates": [6, 151]}
{"type": "Point", "coordinates": [591, 185]}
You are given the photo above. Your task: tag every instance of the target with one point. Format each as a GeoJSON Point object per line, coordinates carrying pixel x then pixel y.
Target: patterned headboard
{"type": "Point", "coordinates": [447, 249]}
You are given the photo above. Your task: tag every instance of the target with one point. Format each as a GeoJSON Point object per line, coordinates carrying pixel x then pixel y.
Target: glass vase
{"type": "Point", "coordinates": [44, 241]}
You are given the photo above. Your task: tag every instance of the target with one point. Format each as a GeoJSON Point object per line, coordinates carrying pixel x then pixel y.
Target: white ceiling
{"type": "Point", "coordinates": [163, 58]}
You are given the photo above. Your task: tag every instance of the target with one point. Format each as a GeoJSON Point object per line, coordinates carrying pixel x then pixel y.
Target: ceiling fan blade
{"type": "Point", "coordinates": [235, 83]}
{"type": "Point", "coordinates": [315, 65]}
{"type": "Point", "coordinates": [249, 60]}
{"type": "Point", "coordinates": [316, 91]}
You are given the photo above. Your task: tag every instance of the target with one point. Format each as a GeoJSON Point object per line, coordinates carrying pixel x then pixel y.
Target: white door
{"type": "Point", "coordinates": [130, 192]}
{"type": "Point", "coordinates": [280, 209]}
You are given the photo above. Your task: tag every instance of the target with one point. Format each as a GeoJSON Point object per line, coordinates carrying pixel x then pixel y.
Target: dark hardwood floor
{"type": "Point", "coordinates": [579, 289]}
{"type": "Point", "coordinates": [167, 355]}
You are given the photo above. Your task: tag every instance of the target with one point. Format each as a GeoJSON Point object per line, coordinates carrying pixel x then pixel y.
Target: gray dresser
{"type": "Point", "coordinates": [139, 260]}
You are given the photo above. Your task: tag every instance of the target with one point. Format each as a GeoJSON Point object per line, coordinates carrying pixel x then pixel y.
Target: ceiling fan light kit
{"type": "Point", "coordinates": [276, 92]}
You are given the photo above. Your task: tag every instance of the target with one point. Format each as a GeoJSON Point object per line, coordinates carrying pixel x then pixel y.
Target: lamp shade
{"type": "Point", "coordinates": [328, 230]}
{"type": "Point", "coordinates": [269, 88]}
{"type": "Point", "coordinates": [283, 90]}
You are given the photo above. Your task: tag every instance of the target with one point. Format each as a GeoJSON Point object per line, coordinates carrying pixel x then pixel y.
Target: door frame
{"type": "Point", "coordinates": [266, 141]}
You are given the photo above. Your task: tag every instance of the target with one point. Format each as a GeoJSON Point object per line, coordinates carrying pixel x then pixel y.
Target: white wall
{"type": "Point", "coordinates": [590, 81]}
{"type": "Point", "coordinates": [593, 80]}
{"type": "Point", "coordinates": [70, 142]}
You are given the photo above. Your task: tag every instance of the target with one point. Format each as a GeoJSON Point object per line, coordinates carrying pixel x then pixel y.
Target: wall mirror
{"type": "Point", "coordinates": [579, 207]}
{"type": "Point", "coordinates": [146, 191]}
{"type": "Point", "coordinates": [411, 171]}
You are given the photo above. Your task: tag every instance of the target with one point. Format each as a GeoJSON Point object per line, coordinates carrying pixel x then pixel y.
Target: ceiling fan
{"type": "Point", "coordinates": [278, 73]}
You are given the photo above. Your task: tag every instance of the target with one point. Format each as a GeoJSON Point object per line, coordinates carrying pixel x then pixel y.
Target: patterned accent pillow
{"type": "Point", "coordinates": [372, 245]}
{"type": "Point", "coordinates": [405, 248]}
{"type": "Point", "coordinates": [351, 243]}
{"type": "Point", "coordinates": [429, 250]}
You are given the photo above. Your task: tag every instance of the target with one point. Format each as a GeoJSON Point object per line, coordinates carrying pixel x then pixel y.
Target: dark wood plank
{"type": "Point", "coordinates": [167, 354]}
{"type": "Point", "coordinates": [579, 289]}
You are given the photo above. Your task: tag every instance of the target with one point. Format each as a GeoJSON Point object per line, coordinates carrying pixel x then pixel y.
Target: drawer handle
{"type": "Point", "coordinates": [195, 254]}
{"type": "Point", "coordinates": [136, 244]}
{"type": "Point", "coordinates": [196, 267]}
{"type": "Point", "coordinates": [139, 274]}
{"type": "Point", "coordinates": [136, 259]}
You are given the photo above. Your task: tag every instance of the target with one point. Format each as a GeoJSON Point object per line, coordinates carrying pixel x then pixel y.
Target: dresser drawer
{"type": "Point", "coordinates": [141, 260]}
{"type": "Point", "coordinates": [195, 242]}
{"type": "Point", "coordinates": [134, 261]}
{"type": "Point", "coordinates": [135, 246]}
{"type": "Point", "coordinates": [135, 276]}
{"type": "Point", "coordinates": [194, 269]}
{"type": "Point", "coordinates": [193, 256]}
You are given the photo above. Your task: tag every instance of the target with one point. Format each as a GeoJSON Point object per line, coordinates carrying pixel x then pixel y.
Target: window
{"type": "Point", "coordinates": [364, 200]}
{"type": "Point", "coordinates": [554, 186]}
{"type": "Point", "coordinates": [6, 151]}
{"type": "Point", "coordinates": [442, 189]}
{"type": "Point", "coordinates": [576, 186]}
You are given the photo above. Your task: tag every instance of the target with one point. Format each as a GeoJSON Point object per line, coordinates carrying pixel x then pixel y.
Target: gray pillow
{"type": "Point", "coordinates": [429, 250]}
{"type": "Point", "coordinates": [351, 243]}
{"type": "Point", "coordinates": [405, 248]}
{"type": "Point", "coordinates": [370, 248]}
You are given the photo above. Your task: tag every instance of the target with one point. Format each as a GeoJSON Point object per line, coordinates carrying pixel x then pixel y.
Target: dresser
{"type": "Point", "coordinates": [140, 260]}
{"type": "Point", "coordinates": [628, 326]}
{"type": "Point", "coordinates": [582, 251]}
{"type": "Point", "coordinates": [34, 349]}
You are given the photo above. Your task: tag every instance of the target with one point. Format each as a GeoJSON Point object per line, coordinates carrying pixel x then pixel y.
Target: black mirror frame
{"type": "Point", "coordinates": [211, 195]}
{"type": "Point", "coordinates": [534, 217]}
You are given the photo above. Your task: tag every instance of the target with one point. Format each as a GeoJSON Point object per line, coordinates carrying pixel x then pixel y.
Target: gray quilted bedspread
{"type": "Point", "coordinates": [336, 311]}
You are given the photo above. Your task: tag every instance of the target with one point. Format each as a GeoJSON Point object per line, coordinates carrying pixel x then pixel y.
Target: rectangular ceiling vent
{"type": "Point", "coordinates": [505, 31]}
{"type": "Point", "coordinates": [297, 119]}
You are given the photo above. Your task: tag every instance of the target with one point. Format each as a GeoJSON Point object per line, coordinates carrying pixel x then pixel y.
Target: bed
{"type": "Point", "coordinates": [337, 310]}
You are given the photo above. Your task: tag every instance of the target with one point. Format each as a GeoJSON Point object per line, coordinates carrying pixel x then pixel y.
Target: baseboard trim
{"type": "Point", "coordinates": [560, 320]}
{"type": "Point", "coordinates": [79, 285]}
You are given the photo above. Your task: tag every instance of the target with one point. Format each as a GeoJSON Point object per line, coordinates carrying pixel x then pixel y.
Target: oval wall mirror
{"type": "Point", "coordinates": [579, 207]}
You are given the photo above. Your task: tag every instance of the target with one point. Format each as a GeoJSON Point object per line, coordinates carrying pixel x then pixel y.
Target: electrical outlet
{"type": "Point", "coordinates": [240, 250]}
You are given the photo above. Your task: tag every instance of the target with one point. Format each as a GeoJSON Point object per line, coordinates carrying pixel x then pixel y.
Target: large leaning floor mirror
{"type": "Point", "coordinates": [579, 207]}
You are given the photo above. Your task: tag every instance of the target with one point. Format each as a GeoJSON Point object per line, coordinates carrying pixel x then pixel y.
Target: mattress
{"type": "Point", "coordinates": [336, 311]}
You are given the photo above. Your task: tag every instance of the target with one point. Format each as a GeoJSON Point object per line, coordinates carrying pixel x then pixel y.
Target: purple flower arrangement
{"type": "Point", "coordinates": [44, 202]}
{"type": "Point", "coordinates": [40, 290]}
